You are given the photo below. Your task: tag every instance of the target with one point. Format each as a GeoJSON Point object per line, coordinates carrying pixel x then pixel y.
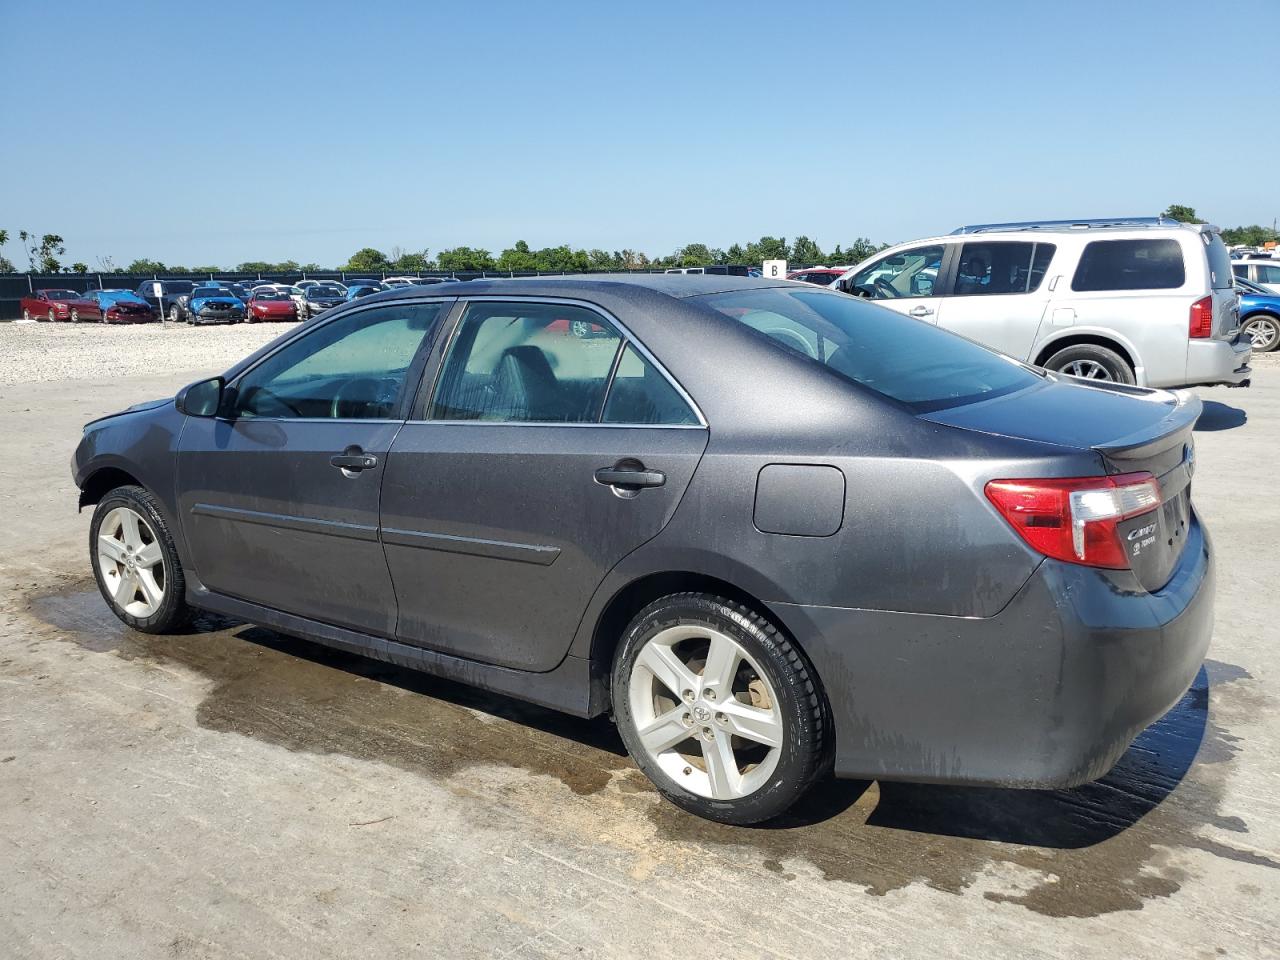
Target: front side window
{"type": "Point", "coordinates": [1130, 265]}
{"type": "Point", "coordinates": [530, 362]}
{"type": "Point", "coordinates": [353, 368]}
{"type": "Point", "coordinates": [913, 363]}
{"type": "Point", "coordinates": [1268, 273]}
{"type": "Point", "coordinates": [908, 273]}
{"type": "Point", "coordinates": [994, 267]}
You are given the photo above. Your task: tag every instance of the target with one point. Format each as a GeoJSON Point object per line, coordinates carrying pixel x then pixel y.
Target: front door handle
{"type": "Point", "coordinates": [630, 477]}
{"type": "Point", "coordinates": [921, 311]}
{"type": "Point", "coordinates": [353, 460]}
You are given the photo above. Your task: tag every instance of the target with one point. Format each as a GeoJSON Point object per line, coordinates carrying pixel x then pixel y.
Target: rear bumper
{"type": "Point", "coordinates": [1211, 362]}
{"type": "Point", "coordinates": [1048, 693]}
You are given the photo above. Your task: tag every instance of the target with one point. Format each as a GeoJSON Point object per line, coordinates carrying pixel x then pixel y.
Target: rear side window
{"type": "Point", "coordinates": [1241, 270]}
{"type": "Point", "coordinates": [1154, 264]}
{"type": "Point", "coordinates": [1268, 273]}
{"type": "Point", "coordinates": [991, 268]}
{"type": "Point", "coordinates": [908, 361]}
{"type": "Point", "coordinates": [640, 394]}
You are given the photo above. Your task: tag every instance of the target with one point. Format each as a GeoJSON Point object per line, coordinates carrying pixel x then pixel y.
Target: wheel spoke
{"type": "Point", "coordinates": [664, 732]}
{"type": "Point", "coordinates": [753, 723]}
{"type": "Point", "coordinates": [721, 666]}
{"type": "Point", "coordinates": [666, 667]}
{"type": "Point", "coordinates": [150, 589]}
{"type": "Point", "coordinates": [126, 586]}
{"type": "Point", "coordinates": [149, 555]}
{"type": "Point", "coordinates": [111, 548]}
{"type": "Point", "coordinates": [722, 768]}
{"type": "Point", "coordinates": [129, 527]}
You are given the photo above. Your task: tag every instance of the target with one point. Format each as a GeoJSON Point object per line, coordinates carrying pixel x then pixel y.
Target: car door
{"type": "Point", "coordinates": [549, 447]}
{"type": "Point", "coordinates": [997, 294]}
{"type": "Point", "coordinates": [279, 494]}
{"type": "Point", "coordinates": [1267, 275]}
{"type": "Point", "coordinates": [907, 281]}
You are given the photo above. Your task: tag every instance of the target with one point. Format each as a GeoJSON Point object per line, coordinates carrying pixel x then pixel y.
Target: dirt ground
{"type": "Point", "coordinates": [234, 793]}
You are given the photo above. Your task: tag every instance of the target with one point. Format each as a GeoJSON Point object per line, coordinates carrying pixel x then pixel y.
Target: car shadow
{"type": "Point", "coordinates": [1220, 416]}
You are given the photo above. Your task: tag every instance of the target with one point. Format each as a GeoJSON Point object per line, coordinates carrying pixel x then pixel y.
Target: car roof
{"type": "Point", "coordinates": [675, 285]}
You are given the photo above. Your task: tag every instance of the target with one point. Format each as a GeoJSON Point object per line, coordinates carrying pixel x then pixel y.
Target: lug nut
{"type": "Point", "coordinates": [720, 718]}
{"type": "Point", "coordinates": [688, 770]}
{"type": "Point", "coordinates": [710, 694]}
{"type": "Point", "coordinates": [688, 695]}
{"type": "Point", "coordinates": [687, 720]}
{"type": "Point", "coordinates": [708, 733]}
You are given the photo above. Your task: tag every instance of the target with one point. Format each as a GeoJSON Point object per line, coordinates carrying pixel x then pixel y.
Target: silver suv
{"type": "Point", "coordinates": [1144, 300]}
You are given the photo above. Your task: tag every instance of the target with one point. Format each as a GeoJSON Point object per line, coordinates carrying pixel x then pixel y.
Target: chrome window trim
{"type": "Point", "coordinates": [627, 338]}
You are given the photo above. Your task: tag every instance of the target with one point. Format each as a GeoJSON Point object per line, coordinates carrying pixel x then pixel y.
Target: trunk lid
{"type": "Point", "coordinates": [1132, 430]}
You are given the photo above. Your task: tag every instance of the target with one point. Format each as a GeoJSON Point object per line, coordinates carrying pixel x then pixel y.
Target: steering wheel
{"type": "Point", "coordinates": [793, 340]}
{"type": "Point", "coordinates": [361, 390]}
{"type": "Point", "coordinates": [885, 287]}
{"type": "Point", "coordinates": [255, 405]}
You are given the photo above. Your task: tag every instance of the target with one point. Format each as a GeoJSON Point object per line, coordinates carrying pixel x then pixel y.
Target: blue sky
{"type": "Point", "coordinates": [218, 133]}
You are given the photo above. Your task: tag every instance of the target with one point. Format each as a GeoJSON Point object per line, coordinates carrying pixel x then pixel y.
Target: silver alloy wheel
{"type": "Point", "coordinates": [75, 315]}
{"type": "Point", "coordinates": [1088, 369]}
{"type": "Point", "coordinates": [131, 562]}
{"type": "Point", "coordinates": [705, 712]}
{"type": "Point", "coordinates": [1263, 332]}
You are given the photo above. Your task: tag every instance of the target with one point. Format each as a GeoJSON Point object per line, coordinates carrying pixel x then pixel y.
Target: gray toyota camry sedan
{"type": "Point", "coordinates": [776, 531]}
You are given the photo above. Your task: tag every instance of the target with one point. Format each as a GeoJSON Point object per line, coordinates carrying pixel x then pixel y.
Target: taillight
{"type": "Point", "coordinates": [1076, 520]}
{"type": "Point", "coordinates": [1201, 325]}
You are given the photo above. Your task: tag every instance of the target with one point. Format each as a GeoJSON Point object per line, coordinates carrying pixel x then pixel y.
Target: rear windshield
{"type": "Point", "coordinates": [1130, 265]}
{"type": "Point", "coordinates": [1219, 261]}
{"type": "Point", "coordinates": [906, 360]}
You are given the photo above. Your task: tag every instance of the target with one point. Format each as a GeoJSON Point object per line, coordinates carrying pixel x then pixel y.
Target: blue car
{"type": "Point", "coordinates": [357, 290]}
{"type": "Point", "coordinates": [214, 305]}
{"type": "Point", "coordinates": [1259, 314]}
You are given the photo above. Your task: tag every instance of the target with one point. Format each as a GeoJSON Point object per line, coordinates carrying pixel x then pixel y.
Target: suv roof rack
{"type": "Point", "coordinates": [1068, 224]}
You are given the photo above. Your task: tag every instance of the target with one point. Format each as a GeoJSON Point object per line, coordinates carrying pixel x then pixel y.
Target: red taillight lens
{"type": "Point", "coordinates": [1075, 520]}
{"type": "Point", "coordinates": [1201, 325]}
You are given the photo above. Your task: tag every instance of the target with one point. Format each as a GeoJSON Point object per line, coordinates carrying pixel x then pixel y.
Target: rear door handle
{"type": "Point", "coordinates": [351, 462]}
{"type": "Point", "coordinates": [630, 477]}
{"type": "Point", "coordinates": [921, 311]}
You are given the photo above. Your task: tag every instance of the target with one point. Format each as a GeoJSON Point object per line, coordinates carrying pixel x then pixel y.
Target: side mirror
{"type": "Point", "coordinates": [200, 399]}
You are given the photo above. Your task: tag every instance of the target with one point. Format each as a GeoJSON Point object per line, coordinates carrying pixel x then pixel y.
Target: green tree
{"type": "Point", "coordinates": [367, 259]}
{"type": "Point", "coordinates": [518, 257]}
{"type": "Point", "coordinates": [695, 255]}
{"type": "Point", "coordinates": [79, 267]}
{"type": "Point", "coordinates": [805, 250]}
{"type": "Point", "coordinates": [1251, 236]}
{"type": "Point", "coordinates": [206, 269]}
{"type": "Point", "coordinates": [735, 254]}
{"type": "Point", "coordinates": [412, 262]}
{"type": "Point", "coordinates": [465, 258]}
{"type": "Point", "coordinates": [1181, 213]}
{"type": "Point", "coordinates": [6, 265]}
{"type": "Point", "coordinates": [146, 266]}
{"type": "Point", "coordinates": [768, 248]}
{"type": "Point", "coordinates": [860, 249]}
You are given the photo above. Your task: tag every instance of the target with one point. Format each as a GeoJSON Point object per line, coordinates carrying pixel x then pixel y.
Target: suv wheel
{"type": "Point", "coordinates": [135, 562]}
{"type": "Point", "coordinates": [719, 709]}
{"type": "Point", "coordinates": [1091, 362]}
{"type": "Point", "coordinates": [175, 313]}
{"type": "Point", "coordinates": [1264, 330]}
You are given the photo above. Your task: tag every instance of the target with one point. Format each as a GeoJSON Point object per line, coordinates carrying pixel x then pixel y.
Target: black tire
{"type": "Point", "coordinates": [806, 742]}
{"type": "Point", "coordinates": [173, 611]}
{"type": "Point", "coordinates": [26, 314]}
{"type": "Point", "coordinates": [1092, 356]}
{"type": "Point", "coordinates": [1267, 326]}
{"type": "Point", "coordinates": [75, 315]}
{"type": "Point", "coordinates": [175, 313]}
{"type": "Point", "coordinates": [52, 318]}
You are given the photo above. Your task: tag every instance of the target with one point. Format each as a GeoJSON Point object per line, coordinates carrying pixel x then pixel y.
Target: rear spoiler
{"type": "Point", "coordinates": [1176, 427]}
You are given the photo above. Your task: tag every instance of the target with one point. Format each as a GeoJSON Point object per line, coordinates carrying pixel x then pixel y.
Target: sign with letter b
{"type": "Point", "coordinates": [775, 269]}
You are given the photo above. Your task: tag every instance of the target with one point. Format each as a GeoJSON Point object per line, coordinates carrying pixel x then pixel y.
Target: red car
{"type": "Point", "coordinates": [55, 305]}
{"type": "Point", "coordinates": [822, 276]}
{"type": "Point", "coordinates": [115, 306]}
{"type": "Point", "coordinates": [269, 304]}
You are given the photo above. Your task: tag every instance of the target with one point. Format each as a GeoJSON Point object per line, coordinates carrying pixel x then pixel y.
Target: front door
{"type": "Point", "coordinates": [550, 449]}
{"type": "Point", "coordinates": [279, 495]}
{"type": "Point", "coordinates": [998, 294]}
{"type": "Point", "coordinates": [907, 281]}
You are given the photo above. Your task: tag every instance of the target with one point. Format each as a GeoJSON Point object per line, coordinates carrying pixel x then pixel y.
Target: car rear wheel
{"type": "Point", "coordinates": [135, 562]}
{"type": "Point", "coordinates": [175, 313]}
{"type": "Point", "coordinates": [26, 314]}
{"type": "Point", "coordinates": [719, 709]}
{"type": "Point", "coordinates": [75, 315]}
{"type": "Point", "coordinates": [1264, 330]}
{"type": "Point", "coordinates": [1089, 361]}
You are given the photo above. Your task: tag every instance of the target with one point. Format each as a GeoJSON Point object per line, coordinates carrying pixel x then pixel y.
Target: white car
{"type": "Point", "coordinates": [1263, 271]}
{"type": "Point", "coordinates": [1144, 301]}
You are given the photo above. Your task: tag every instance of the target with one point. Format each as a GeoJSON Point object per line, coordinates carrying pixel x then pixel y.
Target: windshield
{"type": "Point", "coordinates": [62, 294]}
{"type": "Point", "coordinates": [211, 292]}
{"type": "Point", "coordinates": [118, 296]}
{"type": "Point", "coordinates": [906, 360]}
{"type": "Point", "coordinates": [319, 292]}
{"type": "Point", "coordinates": [271, 295]}
{"type": "Point", "coordinates": [178, 286]}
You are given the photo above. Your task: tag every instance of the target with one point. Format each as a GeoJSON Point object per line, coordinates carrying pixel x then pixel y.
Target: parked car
{"type": "Point", "coordinates": [53, 304]}
{"type": "Point", "coordinates": [270, 305]}
{"type": "Point", "coordinates": [1263, 271]}
{"type": "Point", "coordinates": [1259, 315]}
{"type": "Point", "coordinates": [897, 554]}
{"type": "Point", "coordinates": [357, 290]}
{"type": "Point", "coordinates": [169, 297]}
{"type": "Point", "coordinates": [1146, 301]}
{"type": "Point", "coordinates": [317, 299]}
{"type": "Point", "coordinates": [214, 305]}
{"type": "Point", "coordinates": [116, 306]}
{"type": "Point", "coordinates": [820, 276]}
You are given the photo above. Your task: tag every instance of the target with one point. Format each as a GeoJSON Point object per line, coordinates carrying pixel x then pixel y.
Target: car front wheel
{"type": "Point", "coordinates": [719, 709]}
{"type": "Point", "coordinates": [175, 313]}
{"type": "Point", "coordinates": [1264, 330]}
{"type": "Point", "coordinates": [1089, 361]}
{"type": "Point", "coordinates": [135, 562]}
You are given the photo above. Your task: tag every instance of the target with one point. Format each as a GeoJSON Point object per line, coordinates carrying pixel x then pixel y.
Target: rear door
{"type": "Point", "coordinates": [548, 448]}
{"type": "Point", "coordinates": [998, 296]}
{"type": "Point", "coordinates": [279, 495]}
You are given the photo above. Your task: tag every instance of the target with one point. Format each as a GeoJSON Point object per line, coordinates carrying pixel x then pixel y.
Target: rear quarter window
{"type": "Point", "coordinates": [1146, 264]}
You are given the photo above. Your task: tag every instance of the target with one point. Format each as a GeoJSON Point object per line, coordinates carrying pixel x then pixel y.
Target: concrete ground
{"type": "Point", "coordinates": [233, 793]}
